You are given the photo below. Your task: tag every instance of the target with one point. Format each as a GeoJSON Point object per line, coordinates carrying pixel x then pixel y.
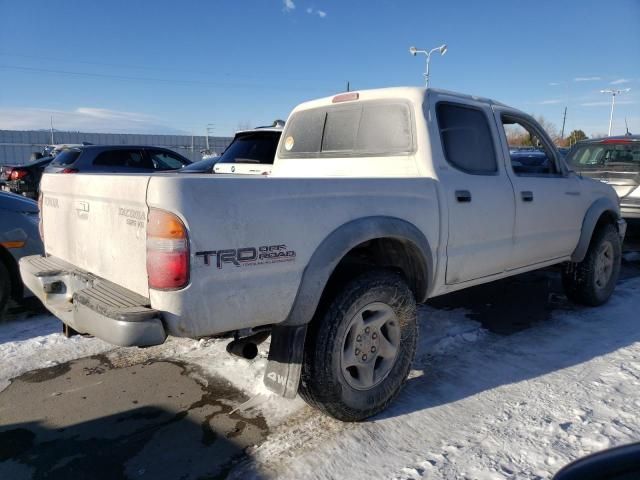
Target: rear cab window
{"type": "Point", "coordinates": [366, 128]}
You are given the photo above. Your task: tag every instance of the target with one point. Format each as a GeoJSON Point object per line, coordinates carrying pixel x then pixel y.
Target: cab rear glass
{"type": "Point", "coordinates": [368, 128]}
{"type": "Point", "coordinates": [66, 157]}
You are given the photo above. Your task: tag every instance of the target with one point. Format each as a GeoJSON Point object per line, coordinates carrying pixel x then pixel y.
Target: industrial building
{"type": "Point", "coordinates": [16, 146]}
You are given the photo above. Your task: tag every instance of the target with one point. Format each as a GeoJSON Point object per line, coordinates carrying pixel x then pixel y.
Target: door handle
{"type": "Point", "coordinates": [463, 196]}
{"type": "Point", "coordinates": [527, 196]}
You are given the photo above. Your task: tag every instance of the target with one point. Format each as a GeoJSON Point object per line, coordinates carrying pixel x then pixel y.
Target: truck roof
{"type": "Point", "coordinates": [415, 94]}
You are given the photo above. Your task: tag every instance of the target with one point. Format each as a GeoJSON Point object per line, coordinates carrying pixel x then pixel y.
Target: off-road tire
{"type": "Point", "coordinates": [5, 288]}
{"type": "Point", "coordinates": [323, 384]}
{"type": "Point", "coordinates": [580, 279]}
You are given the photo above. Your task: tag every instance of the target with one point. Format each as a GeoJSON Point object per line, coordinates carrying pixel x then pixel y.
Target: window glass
{"type": "Point", "coordinates": [466, 138]}
{"type": "Point", "coordinates": [361, 128]}
{"type": "Point", "coordinates": [66, 157]}
{"type": "Point", "coordinates": [530, 155]}
{"type": "Point", "coordinates": [123, 158]}
{"type": "Point", "coordinates": [613, 156]}
{"type": "Point", "coordinates": [254, 147]}
{"type": "Point", "coordinates": [165, 160]}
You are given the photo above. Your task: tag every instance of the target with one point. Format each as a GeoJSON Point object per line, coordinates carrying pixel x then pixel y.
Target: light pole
{"type": "Point", "coordinates": [414, 51]}
{"type": "Point", "coordinates": [613, 94]}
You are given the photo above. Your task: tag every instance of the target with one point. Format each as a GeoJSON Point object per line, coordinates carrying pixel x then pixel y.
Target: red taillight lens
{"type": "Point", "coordinates": [18, 174]}
{"type": "Point", "coordinates": [167, 251]}
{"type": "Point", "coordinates": [69, 170]}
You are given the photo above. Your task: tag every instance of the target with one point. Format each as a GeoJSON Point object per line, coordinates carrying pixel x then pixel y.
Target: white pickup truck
{"type": "Point", "coordinates": [378, 199]}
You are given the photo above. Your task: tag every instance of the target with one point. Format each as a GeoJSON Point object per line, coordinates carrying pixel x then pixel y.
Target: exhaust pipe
{"type": "Point", "coordinates": [247, 347]}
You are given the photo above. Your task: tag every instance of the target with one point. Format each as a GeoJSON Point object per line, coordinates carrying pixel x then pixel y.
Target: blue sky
{"type": "Point", "coordinates": [175, 66]}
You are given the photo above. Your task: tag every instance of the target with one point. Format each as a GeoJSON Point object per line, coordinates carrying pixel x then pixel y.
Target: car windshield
{"type": "Point", "coordinates": [253, 147]}
{"type": "Point", "coordinates": [621, 156]}
{"type": "Point", "coordinates": [66, 157]}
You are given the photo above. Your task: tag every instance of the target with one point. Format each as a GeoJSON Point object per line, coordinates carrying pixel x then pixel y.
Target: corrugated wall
{"type": "Point", "coordinates": [17, 146]}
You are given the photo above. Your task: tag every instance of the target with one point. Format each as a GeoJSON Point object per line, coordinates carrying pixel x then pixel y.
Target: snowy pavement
{"type": "Point", "coordinates": [478, 405]}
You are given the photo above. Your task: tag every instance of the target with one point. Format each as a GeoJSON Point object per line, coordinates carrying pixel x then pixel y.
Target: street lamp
{"type": "Point", "coordinates": [414, 51]}
{"type": "Point", "coordinates": [613, 94]}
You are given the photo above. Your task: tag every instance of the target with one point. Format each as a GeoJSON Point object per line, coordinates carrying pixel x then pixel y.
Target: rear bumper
{"type": "Point", "coordinates": [90, 304]}
{"type": "Point", "coordinates": [630, 211]}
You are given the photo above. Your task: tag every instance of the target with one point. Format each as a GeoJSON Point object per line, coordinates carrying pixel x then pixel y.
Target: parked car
{"type": "Point", "coordinates": [24, 179]}
{"type": "Point", "coordinates": [613, 160]}
{"type": "Point", "coordinates": [378, 199]}
{"type": "Point", "coordinates": [251, 152]}
{"type": "Point", "coordinates": [18, 237]}
{"type": "Point", "coordinates": [116, 158]}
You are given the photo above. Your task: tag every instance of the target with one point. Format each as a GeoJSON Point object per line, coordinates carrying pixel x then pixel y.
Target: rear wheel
{"type": "Point", "coordinates": [5, 288]}
{"type": "Point", "coordinates": [359, 352]}
{"type": "Point", "coordinates": [592, 281]}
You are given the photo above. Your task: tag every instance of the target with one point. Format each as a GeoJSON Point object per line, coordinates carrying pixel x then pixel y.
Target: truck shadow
{"type": "Point", "coordinates": [533, 330]}
{"type": "Point", "coordinates": [84, 433]}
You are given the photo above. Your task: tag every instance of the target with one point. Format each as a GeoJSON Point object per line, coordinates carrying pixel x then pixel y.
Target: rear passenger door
{"type": "Point", "coordinates": [163, 160]}
{"type": "Point", "coordinates": [478, 195]}
{"type": "Point", "coordinates": [122, 160]}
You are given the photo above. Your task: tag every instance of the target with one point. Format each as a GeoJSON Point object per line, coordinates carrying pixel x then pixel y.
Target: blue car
{"type": "Point", "coordinates": [19, 237]}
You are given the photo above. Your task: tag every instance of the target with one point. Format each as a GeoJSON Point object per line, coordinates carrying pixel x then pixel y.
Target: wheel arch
{"type": "Point", "coordinates": [603, 210]}
{"type": "Point", "coordinates": [381, 241]}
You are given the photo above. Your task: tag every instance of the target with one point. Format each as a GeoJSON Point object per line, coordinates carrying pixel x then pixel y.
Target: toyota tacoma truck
{"type": "Point", "coordinates": [378, 200]}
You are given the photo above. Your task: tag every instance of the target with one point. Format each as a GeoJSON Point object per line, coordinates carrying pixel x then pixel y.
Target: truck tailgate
{"type": "Point", "coordinates": [98, 223]}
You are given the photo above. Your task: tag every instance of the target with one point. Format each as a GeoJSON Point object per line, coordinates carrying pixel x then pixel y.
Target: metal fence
{"type": "Point", "coordinates": [17, 146]}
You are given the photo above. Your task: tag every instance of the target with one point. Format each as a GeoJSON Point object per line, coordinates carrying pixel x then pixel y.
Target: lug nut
{"type": "Point", "coordinates": [357, 351]}
{"type": "Point", "coordinates": [367, 330]}
{"type": "Point", "coordinates": [359, 338]}
{"type": "Point", "coordinates": [364, 357]}
{"type": "Point", "coordinates": [374, 335]}
{"type": "Point", "coordinates": [373, 349]}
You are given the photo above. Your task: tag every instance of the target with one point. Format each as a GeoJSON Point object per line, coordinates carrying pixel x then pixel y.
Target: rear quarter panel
{"type": "Point", "coordinates": [228, 212]}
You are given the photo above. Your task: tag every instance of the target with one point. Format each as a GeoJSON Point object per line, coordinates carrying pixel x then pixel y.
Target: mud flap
{"type": "Point", "coordinates": [282, 374]}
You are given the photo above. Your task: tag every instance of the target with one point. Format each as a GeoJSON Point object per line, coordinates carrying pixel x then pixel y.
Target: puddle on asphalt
{"type": "Point", "coordinates": [90, 419]}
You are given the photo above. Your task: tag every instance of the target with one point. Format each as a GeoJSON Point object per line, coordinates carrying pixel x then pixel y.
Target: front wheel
{"type": "Point", "coordinates": [360, 351]}
{"type": "Point", "coordinates": [592, 281]}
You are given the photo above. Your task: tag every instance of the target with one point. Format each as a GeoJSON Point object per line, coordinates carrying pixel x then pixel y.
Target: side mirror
{"type": "Point", "coordinates": [621, 463]}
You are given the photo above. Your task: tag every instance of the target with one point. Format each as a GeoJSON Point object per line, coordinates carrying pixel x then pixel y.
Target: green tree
{"type": "Point", "coordinates": [575, 136]}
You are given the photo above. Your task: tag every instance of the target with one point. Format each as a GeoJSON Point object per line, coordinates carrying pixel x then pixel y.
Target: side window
{"type": "Point", "coordinates": [122, 158]}
{"type": "Point", "coordinates": [530, 153]}
{"type": "Point", "coordinates": [466, 138]}
{"type": "Point", "coordinates": [165, 160]}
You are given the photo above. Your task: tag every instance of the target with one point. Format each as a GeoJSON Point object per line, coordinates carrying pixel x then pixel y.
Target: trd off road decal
{"type": "Point", "coordinates": [248, 256]}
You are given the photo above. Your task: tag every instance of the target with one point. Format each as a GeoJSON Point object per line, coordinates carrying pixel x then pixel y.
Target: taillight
{"type": "Point", "coordinates": [167, 251]}
{"type": "Point", "coordinates": [69, 170]}
{"type": "Point", "coordinates": [18, 174]}
{"type": "Point", "coordinates": [40, 225]}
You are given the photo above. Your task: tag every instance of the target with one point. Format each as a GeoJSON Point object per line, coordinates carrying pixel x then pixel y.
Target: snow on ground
{"type": "Point", "coordinates": [30, 343]}
{"type": "Point", "coordinates": [477, 405]}
{"type": "Point", "coordinates": [484, 406]}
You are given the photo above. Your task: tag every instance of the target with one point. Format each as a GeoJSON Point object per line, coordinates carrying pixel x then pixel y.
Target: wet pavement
{"type": "Point", "coordinates": [89, 419]}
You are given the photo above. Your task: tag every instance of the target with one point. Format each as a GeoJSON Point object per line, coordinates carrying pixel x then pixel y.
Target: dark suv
{"type": "Point", "coordinates": [116, 158]}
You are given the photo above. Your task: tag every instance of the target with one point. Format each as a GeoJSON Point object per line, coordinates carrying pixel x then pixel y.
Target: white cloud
{"type": "Point", "coordinates": [620, 81]}
{"type": "Point", "coordinates": [554, 84]}
{"type": "Point", "coordinates": [607, 103]}
{"type": "Point", "coordinates": [552, 101]}
{"type": "Point", "coordinates": [586, 79]}
{"type": "Point", "coordinates": [320, 13]}
{"type": "Point", "coordinates": [288, 5]}
{"type": "Point", "coordinates": [84, 119]}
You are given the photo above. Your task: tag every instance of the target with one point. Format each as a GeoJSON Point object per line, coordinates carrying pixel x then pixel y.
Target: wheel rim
{"type": "Point", "coordinates": [370, 346]}
{"type": "Point", "coordinates": [604, 264]}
